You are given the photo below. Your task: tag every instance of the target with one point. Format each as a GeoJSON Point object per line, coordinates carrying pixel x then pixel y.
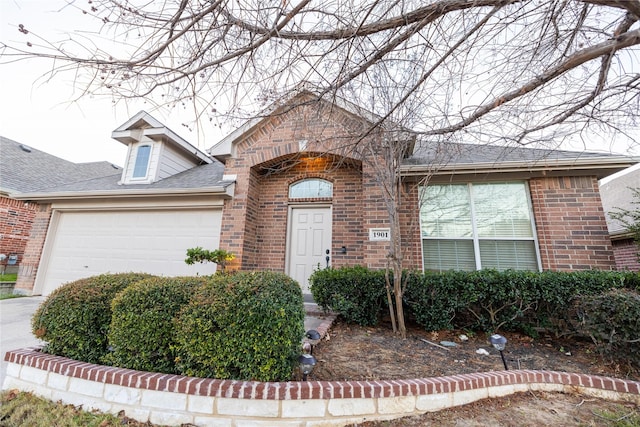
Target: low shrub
{"type": "Point", "coordinates": [612, 320]}
{"type": "Point", "coordinates": [245, 326]}
{"type": "Point", "coordinates": [511, 300]}
{"type": "Point", "coordinates": [356, 293]}
{"type": "Point", "coordinates": [632, 280]}
{"type": "Point", "coordinates": [558, 290]}
{"type": "Point", "coordinates": [142, 332]}
{"type": "Point", "coordinates": [498, 300]}
{"type": "Point", "coordinates": [434, 299]}
{"type": "Point", "coordinates": [74, 319]}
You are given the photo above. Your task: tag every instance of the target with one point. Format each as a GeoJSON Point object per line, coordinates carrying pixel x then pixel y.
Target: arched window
{"type": "Point", "coordinates": [142, 161]}
{"type": "Point", "coordinates": [310, 189]}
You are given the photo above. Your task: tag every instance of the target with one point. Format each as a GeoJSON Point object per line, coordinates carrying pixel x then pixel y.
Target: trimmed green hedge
{"type": "Point", "coordinates": [142, 332]}
{"type": "Point", "coordinates": [511, 300]}
{"type": "Point", "coordinates": [356, 293]}
{"type": "Point", "coordinates": [612, 320]}
{"type": "Point", "coordinates": [245, 326]}
{"type": "Point", "coordinates": [481, 300]}
{"type": "Point", "coordinates": [435, 299]}
{"type": "Point", "coordinates": [74, 320]}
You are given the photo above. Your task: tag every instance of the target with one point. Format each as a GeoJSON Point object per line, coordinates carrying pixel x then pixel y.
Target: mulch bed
{"type": "Point", "coordinates": [351, 352]}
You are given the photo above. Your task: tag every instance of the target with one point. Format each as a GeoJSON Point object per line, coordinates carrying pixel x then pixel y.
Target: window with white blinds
{"type": "Point", "coordinates": [475, 226]}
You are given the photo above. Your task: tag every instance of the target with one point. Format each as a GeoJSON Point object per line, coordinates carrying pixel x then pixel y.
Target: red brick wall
{"type": "Point", "coordinates": [269, 227]}
{"type": "Point", "coordinates": [33, 250]}
{"type": "Point", "coordinates": [16, 219]}
{"type": "Point", "coordinates": [268, 160]}
{"type": "Point", "coordinates": [410, 225]}
{"type": "Point", "coordinates": [626, 254]}
{"type": "Point", "coordinates": [572, 231]}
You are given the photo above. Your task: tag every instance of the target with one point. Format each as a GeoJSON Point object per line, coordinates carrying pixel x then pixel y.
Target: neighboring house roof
{"type": "Point", "coordinates": [617, 193]}
{"type": "Point", "coordinates": [25, 169]}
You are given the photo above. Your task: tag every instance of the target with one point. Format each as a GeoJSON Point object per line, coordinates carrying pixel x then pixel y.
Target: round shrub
{"type": "Point", "coordinates": [142, 333]}
{"type": "Point", "coordinates": [245, 326]}
{"type": "Point", "coordinates": [356, 293]}
{"type": "Point", "coordinates": [74, 319]}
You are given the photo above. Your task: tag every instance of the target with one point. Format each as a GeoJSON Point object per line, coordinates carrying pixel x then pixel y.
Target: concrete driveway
{"type": "Point", "coordinates": [15, 326]}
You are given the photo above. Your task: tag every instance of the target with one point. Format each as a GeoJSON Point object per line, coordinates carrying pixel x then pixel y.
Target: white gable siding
{"type": "Point", "coordinates": [172, 162]}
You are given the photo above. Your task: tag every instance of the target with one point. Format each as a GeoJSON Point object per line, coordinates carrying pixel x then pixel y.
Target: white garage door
{"type": "Point", "coordinates": [90, 243]}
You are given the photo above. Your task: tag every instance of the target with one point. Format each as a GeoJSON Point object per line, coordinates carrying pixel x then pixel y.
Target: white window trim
{"type": "Point", "coordinates": [475, 239]}
{"type": "Point", "coordinates": [135, 162]}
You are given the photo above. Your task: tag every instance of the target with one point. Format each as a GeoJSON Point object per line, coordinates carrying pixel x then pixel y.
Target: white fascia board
{"type": "Point", "coordinates": [164, 132]}
{"type": "Point", "coordinates": [224, 148]}
{"type": "Point", "coordinates": [222, 191]}
{"type": "Point", "coordinates": [127, 137]}
{"type": "Point", "coordinates": [595, 163]}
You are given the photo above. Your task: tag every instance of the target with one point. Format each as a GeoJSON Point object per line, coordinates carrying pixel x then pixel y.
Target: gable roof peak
{"type": "Point", "coordinates": [141, 120]}
{"type": "Point", "coordinates": [302, 95]}
{"type": "Point", "coordinates": [144, 124]}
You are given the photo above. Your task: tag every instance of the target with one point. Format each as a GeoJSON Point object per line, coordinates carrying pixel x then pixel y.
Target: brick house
{"type": "Point", "coordinates": [553, 204]}
{"type": "Point", "coordinates": [300, 188]}
{"type": "Point", "coordinates": [616, 193]}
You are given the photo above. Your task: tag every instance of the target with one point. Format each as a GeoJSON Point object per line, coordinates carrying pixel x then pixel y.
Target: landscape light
{"type": "Point", "coordinates": [313, 336]}
{"type": "Point", "coordinates": [499, 343]}
{"type": "Point", "coordinates": [307, 363]}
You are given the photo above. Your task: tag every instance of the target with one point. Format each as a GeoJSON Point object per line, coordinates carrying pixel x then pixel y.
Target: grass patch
{"type": "Point", "coordinates": [9, 296]}
{"type": "Point", "coordinates": [8, 277]}
{"type": "Point", "coordinates": [24, 409]}
{"type": "Point", "coordinates": [619, 418]}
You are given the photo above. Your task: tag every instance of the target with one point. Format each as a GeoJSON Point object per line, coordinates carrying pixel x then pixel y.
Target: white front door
{"type": "Point", "coordinates": [309, 242]}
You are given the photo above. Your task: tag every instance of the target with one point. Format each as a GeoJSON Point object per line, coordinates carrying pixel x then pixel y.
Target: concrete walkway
{"type": "Point", "coordinates": [15, 326]}
{"type": "Point", "coordinates": [16, 313]}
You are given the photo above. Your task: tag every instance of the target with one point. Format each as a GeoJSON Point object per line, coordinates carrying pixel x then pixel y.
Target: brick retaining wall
{"type": "Point", "coordinates": [174, 399]}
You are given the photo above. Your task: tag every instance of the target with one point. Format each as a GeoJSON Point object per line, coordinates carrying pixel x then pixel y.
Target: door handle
{"type": "Point", "coordinates": [327, 258]}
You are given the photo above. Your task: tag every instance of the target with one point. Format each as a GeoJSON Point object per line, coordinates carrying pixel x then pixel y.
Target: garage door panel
{"type": "Point", "coordinates": [90, 243]}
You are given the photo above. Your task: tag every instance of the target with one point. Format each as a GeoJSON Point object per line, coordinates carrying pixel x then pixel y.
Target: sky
{"type": "Point", "coordinates": [43, 114]}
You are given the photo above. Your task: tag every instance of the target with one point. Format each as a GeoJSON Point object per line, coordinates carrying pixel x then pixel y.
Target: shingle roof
{"type": "Point", "coordinates": [25, 169]}
{"type": "Point", "coordinates": [36, 172]}
{"type": "Point", "coordinates": [425, 153]}
{"type": "Point", "coordinates": [204, 176]}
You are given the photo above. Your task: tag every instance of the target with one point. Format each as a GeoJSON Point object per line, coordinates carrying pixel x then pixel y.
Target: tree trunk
{"type": "Point", "coordinates": [396, 258]}
{"type": "Point", "coordinates": [398, 290]}
{"type": "Point", "coordinates": [392, 312]}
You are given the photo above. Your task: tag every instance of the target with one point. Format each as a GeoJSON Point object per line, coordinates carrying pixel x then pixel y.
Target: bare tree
{"type": "Point", "coordinates": [486, 70]}
{"type": "Point", "coordinates": [500, 71]}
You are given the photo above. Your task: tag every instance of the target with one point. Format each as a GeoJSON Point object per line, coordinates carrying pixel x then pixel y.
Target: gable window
{"type": "Point", "coordinates": [142, 161]}
{"type": "Point", "coordinates": [311, 189]}
{"type": "Point", "coordinates": [475, 226]}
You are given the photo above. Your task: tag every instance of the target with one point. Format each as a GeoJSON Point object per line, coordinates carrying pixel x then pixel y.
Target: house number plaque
{"type": "Point", "coordinates": [379, 234]}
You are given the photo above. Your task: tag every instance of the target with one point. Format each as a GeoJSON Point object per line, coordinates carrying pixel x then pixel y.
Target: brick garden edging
{"type": "Point", "coordinates": [174, 399]}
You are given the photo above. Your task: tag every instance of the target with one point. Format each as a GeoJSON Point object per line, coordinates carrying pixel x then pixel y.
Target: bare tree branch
{"type": "Point", "coordinates": [603, 49]}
